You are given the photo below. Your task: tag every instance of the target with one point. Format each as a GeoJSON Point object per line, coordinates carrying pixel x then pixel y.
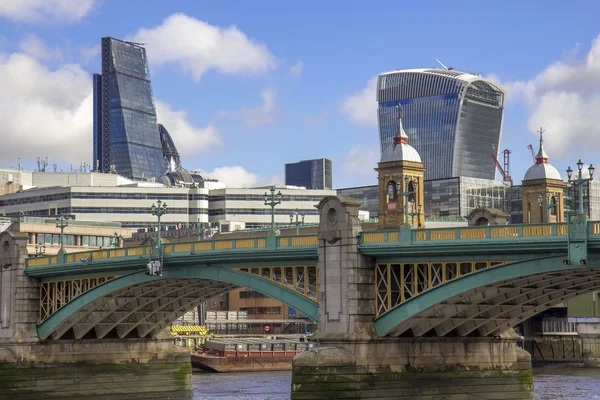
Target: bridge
{"type": "Point", "coordinates": [377, 288]}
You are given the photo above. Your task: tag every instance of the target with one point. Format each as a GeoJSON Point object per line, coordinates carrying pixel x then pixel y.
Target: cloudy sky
{"type": "Point", "coordinates": [245, 87]}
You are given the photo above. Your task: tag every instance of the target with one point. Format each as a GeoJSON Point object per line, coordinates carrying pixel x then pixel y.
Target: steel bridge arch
{"type": "Point", "coordinates": [149, 304]}
{"type": "Point", "coordinates": [490, 301]}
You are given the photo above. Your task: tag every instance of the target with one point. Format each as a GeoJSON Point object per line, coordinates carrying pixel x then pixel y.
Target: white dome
{"type": "Point", "coordinates": [400, 152]}
{"type": "Point", "coordinates": [542, 171]}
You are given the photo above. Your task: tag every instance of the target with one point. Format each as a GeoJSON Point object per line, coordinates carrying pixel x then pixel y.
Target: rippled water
{"type": "Point", "coordinates": [551, 383]}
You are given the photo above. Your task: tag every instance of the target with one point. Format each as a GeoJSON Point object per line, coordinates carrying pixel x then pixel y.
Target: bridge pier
{"type": "Point", "coordinates": [75, 369]}
{"type": "Point", "coordinates": [350, 361]}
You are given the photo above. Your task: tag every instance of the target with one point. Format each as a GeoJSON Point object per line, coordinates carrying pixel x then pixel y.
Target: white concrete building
{"type": "Point", "coordinates": [97, 197]}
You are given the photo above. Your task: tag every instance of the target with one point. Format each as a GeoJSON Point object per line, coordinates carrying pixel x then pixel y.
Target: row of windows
{"type": "Point", "coordinates": [123, 210]}
{"type": "Point", "coordinates": [133, 196]}
{"type": "Point", "coordinates": [257, 211]}
{"type": "Point", "coordinates": [261, 310]}
{"type": "Point", "coordinates": [260, 197]}
{"type": "Point", "coordinates": [250, 294]}
{"type": "Point", "coordinates": [69, 240]}
{"type": "Point", "coordinates": [34, 199]}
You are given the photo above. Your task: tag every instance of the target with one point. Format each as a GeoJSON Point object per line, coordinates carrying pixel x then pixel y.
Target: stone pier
{"type": "Point", "coordinates": [349, 361]}
{"type": "Point", "coordinates": [90, 369]}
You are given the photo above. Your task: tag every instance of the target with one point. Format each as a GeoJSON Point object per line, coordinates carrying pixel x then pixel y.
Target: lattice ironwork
{"type": "Point", "coordinates": [302, 279]}
{"type": "Point", "coordinates": [106, 79]}
{"type": "Point", "coordinates": [55, 294]}
{"type": "Point", "coordinates": [396, 283]}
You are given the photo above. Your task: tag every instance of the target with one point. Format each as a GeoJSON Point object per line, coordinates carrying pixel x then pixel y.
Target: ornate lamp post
{"type": "Point", "coordinates": [62, 223]}
{"type": "Point", "coordinates": [40, 249]}
{"type": "Point", "coordinates": [414, 213]}
{"type": "Point", "coordinates": [407, 193]}
{"type": "Point", "coordinates": [272, 200]}
{"type": "Point", "coordinates": [115, 240]}
{"type": "Point", "coordinates": [158, 211]}
{"type": "Point", "coordinates": [579, 181]}
{"type": "Point", "coordinates": [549, 204]}
{"type": "Point", "coordinates": [297, 223]}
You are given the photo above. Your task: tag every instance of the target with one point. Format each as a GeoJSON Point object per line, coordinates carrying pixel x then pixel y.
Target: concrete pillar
{"type": "Point", "coordinates": [588, 330]}
{"type": "Point", "coordinates": [75, 369]}
{"type": "Point", "coordinates": [346, 278]}
{"type": "Point", "coordinates": [349, 360]}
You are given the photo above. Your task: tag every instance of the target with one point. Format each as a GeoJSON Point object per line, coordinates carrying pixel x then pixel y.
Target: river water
{"type": "Point", "coordinates": [551, 383]}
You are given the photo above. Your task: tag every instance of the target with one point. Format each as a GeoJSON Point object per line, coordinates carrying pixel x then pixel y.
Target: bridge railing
{"type": "Point", "coordinates": [264, 243]}
{"type": "Point", "coordinates": [468, 233]}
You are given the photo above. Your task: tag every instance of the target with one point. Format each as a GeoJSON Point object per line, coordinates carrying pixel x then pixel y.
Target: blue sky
{"type": "Point", "coordinates": [245, 87]}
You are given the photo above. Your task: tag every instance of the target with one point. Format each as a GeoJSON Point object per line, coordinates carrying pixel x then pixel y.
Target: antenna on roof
{"type": "Point", "coordinates": [443, 66]}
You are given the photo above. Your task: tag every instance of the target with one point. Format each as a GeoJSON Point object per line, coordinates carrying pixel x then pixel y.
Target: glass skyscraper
{"type": "Point", "coordinates": [312, 174]}
{"type": "Point", "coordinates": [126, 135]}
{"type": "Point", "coordinates": [453, 119]}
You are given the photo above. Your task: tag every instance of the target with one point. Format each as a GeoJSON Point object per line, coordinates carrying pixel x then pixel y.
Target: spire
{"type": "Point", "coordinates": [401, 137]}
{"type": "Point", "coordinates": [541, 156]}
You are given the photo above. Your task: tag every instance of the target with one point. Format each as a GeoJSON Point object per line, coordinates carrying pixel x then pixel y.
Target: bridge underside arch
{"type": "Point", "coordinates": [488, 302]}
{"type": "Point", "coordinates": [138, 305]}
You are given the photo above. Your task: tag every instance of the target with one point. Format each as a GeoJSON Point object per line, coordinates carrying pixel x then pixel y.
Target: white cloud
{"type": "Point", "coordinates": [237, 177]}
{"type": "Point", "coordinates": [45, 112]}
{"type": "Point", "coordinates": [198, 47]}
{"type": "Point", "coordinates": [360, 162]}
{"type": "Point", "coordinates": [36, 48]}
{"type": "Point", "coordinates": [35, 10]}
{"type": "Point", "coordinates": [361, 107]}
{"type": "Point", "coordinates": [255, 117]}
{"type": "Point", "coordinates": [90, 53]}
{"type": "Point", "coordinates": [297, 69]}
{"type": "Point", "coordinates": [187, 137]}
{"type": "Point", "coordinates": [564, 98]}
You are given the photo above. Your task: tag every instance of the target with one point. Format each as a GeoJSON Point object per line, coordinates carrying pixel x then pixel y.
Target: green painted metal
{"type": "Point", "coordinates": [388, 321]}
{"type": "Point", "coordinates": [253, 282]}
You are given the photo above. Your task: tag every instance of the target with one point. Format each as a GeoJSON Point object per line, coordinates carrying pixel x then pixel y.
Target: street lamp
{"type": "Point", "coordinates": [297, 223]}
{"type": "Point", "coordinates": [62, 223]}
{"type": "Point", "coordinates": [159, 210]}
{"type": "Point", "coordinates": [414, 213]}
{"type": "Point", "coordinates": [407, 193]}
{"type": "Point", "coordinates": [115, 240]}
{"type": "Point", "coordinates": [40, 249]}
{"type": "Point", "coordinates": [272, 200]}
{"type": "Point", "coordinates": [580, 180]}
{"type": "Point", "coordinates": [549, 205]}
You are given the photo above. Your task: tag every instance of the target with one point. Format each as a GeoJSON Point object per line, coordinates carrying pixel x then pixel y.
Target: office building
{"type": "Point", "coordinates": [459, 196]}
{"type": "Point", "coordinates": [368, 196]}
{"type": "Point", "coordinates": [311, 174]}
{"type": "Point", "coordinates": [44, 236]}
{"type": "Point", "coordinates": [453, 119]}
{"type": "Point", "coordinates": [97, 197]}
{"type": "Point", "coordinates": [126, 135]}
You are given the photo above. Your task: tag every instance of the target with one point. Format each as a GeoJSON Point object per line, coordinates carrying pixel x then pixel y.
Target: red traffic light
{"type": "Point", "coordinates": [267, 328]}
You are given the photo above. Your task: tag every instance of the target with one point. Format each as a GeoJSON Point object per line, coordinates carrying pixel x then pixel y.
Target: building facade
{"type": "Point", "coordinates": [311, 174]}
{"type": "Point", "coordinates": [97, 197]}
{"type": "Point", "coordinates": [368, 196]}
{"type": "Point", "coordinates": [44, 236]}
{"type": "Point", "coordinates": [453, 119]}
{"type": "Point", "coordinates": [126, 136]}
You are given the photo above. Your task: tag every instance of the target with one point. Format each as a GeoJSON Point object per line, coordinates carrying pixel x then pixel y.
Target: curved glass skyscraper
{"type": "Point", "coordinates": [126, 137]}
{"type": "Point", "coordinates": [453, 119]}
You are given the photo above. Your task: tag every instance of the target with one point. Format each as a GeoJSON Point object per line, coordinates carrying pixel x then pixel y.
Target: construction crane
{"type": "Point", "coordinates": [505, 172]}
{"type": "Point", "coordinates": [530, 147]}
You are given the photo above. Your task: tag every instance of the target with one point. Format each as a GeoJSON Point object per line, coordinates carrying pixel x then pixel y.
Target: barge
{"type": "Point", "coordinates": [248, 354]}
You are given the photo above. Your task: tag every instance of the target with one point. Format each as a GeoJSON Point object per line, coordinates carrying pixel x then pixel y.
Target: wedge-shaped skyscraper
{"type": "Point", "coordinates": [126, 136]}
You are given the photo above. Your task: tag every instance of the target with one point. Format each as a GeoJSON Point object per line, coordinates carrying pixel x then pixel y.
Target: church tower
{"type": "Point", "coordinates": [543, 190]}
{"type": "Point", "coordinates": [400, 175]}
